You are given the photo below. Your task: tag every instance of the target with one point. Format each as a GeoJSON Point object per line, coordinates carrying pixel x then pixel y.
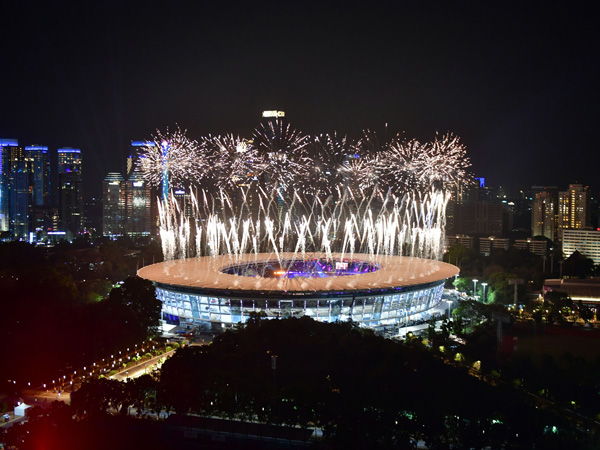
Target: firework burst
{"type": "Point", "coordinates": [283, 152]}
{"type": "Point", "coordinates": [233, 161]}
{"type": "Point", "coordinates": [173, 153]}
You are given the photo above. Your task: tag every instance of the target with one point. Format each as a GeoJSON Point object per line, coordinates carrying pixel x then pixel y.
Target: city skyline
{"type": "Point", "coordinates": [515, 82]}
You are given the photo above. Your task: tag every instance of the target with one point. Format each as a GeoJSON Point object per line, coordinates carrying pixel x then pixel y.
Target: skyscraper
{"type": "Point", "coordinates": [16, 195]}
{"type": "Point", "coordinates": [543, 213]}
{"type": "Point", "coordinates": [135, 151]}
{"type": "Point", "coordinates": [128, 202]}
{"type": "Point", "coordinates": [139, 205]}
{"type": "Point", "coordinates": [43, 213]}
{"type": "Point", "coordinates": [20, 181]}
{"type": "Point", "coordinates": [38, 154]}
{"type": "Point", "coordinates": [70, 198]}
{"type": "Point", "coordinates": [114, 197]}
{"type": "Point", "coordinates": [574, 208]}
{"type": "Point", "coordinates": [7, 148]}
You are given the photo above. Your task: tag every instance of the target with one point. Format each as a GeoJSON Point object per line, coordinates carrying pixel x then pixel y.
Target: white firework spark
{"type": "Point", "coordinates": [233, 161]}
{"type": "Point", "coordinates": [284, 156]}
{"type": "Point", "coordinates": [181, 159]}
{"type": "Point", "coordinates": [285, 191]}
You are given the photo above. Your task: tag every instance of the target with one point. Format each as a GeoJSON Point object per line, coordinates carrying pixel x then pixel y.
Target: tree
{"type": "Point", "coordinates": [138, 297]}
{"type": "Point", "coordinates": [462, 284]}
{"type": "Point", "coordinates": [578, 265]}
{"type": "Point", "coordinates": [558, 304]}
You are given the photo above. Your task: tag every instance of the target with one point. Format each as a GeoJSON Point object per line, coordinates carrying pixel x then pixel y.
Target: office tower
{"type": "Point", "coordinates": [43, 212]}
{"type": "Point", "coordinates": [274, 128]}
{"type": "Point", "coordinates": [114, 197]}
{"type": "Point", "coordinates": [135, 154]}
{"type": "Point", "coordinates": [38, 154]}
{"type": "Point", "coordinates": [478, 218]}
{"type": "Point", "coordinates": [544, 210]}
{"type": "Point", "coordinates": [273, 117]}
{"type": "Point", "coordinates": [93, 216]}
{"type": "Point", "coordinates": [128, 203]}
{"type": "Point", "coordinates": [70, 198]}
{"type": "Point", "coordinates": [574, 208]}
{"type": "Point", "coordinates": [20, 182]}
{"type": "Point", "coordinates": [8, 147]}
{"type": "Point", "coordinates": [141, 197]}
{"type": "Point", "coordinates": [138, 205]}
{"type": "Point", "coordinates": [16, 180]}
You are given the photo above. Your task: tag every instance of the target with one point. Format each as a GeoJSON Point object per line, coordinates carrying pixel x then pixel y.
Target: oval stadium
{"type": "Point", "coordinates": [215, 293]}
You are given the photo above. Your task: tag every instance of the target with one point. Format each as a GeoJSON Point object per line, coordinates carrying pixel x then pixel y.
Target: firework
{"type": "Point", "coordinates": [173, 154]}
{"type": "Point", "coordinates": [284, 156]}
{"type": "Point", "coordinates": [232, 162]}
{"type": "Point", "coordinates": [283, 191]}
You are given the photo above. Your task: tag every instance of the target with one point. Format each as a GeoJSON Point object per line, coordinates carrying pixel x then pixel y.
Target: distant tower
{"type": "Point", "coordinates": [139, 205]}
{"type": "Point", "coordinates": [38, 154]}
{"type": "Point", "coordinates": [20, 199]}
{"type": "Point", "coordinates": [128, 202]}
{"type": "Point", "coordinates": [544, 209]}
{"type": "Point", "coordinates": [134, 159]}
{"type": "Point", "coordinates": [114, 195]}
{"type": "Point", "coordinates": [70, 197]}
{"type": "Point", "coordinates": [274, 117]}
{"type": "Point", "coordinates": [16, 193]}
{"type": "Point", "coordinates": [574, 208]}
{"type": "Point", "coordinates": [8, 148]}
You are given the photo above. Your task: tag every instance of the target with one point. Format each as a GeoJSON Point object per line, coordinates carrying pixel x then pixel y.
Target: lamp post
{"type": "Point", "coordinates": [484, 292]}
{"type": "Point", "coordinates": [449, 304]}
{"type": "Point", "coordinates": [475, 280]}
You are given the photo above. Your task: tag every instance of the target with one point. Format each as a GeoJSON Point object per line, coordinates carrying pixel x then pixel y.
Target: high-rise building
{"type": "Point", "coordinates": [135, 155]}
{"type": "Point", "coordinates": [574, 208]}
{"type": "Point", "coordinates": [544, 211]}
{"type": "Point", "coordinates": [138, 205]}
{"type": "Point", "coordinates": [20, 197]}
{"type": "Point", "coordinates": [94, 216]}
{"type": "Point", "coordinates": [38, 154]}
{"type": "Point", "coordinates": [43, 212]}
{"type": "Point", "coordinates": [8, 147]}
{"type": "Point", "coordinates": [478, 218]}
{"type": "Point", "coordinates": [16, 193]}
{"type": "Point", "coordinates": [70, 197]}
{"type": "Point", "coordinates": [129, 201]}
{"type": "Point", "coordinates": [114, 196]}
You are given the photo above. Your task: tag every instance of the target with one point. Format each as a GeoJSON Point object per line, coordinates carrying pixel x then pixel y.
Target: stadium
{"type": "Point", "coordinates": [217, 292]}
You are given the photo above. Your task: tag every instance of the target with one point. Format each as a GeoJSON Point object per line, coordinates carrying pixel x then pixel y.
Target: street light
{"type": "Point", "coordinates": [449, 304]}
{"type": "Point", "coordinates": [484, 291]}
{"type": "Point", "coordinates": [475, 280]}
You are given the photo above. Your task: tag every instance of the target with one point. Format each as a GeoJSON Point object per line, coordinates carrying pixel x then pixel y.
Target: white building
{"type": "Point", "coordinates": [586, 242]}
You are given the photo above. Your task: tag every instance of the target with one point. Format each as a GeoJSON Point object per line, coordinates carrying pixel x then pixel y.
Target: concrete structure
{"type": "Point", "coordinates": [478, 218]}
{"type": "Point", "coordinates": [70, 196]}
{"type": "Point", "coordinates": [587, 290]}
{"type": "Point", "coordinates": [544, 212]}
{"type": "Point", "coordinates": [217, 292]}
{"type": "Point", "coordinates": [586, 242]}
{"type": "Point", "coordinates": [534, 246]}
{"type": "Point", "coordinates": [487, 244]}
{"type": "Point", "coordinates": [128, 203]}
{"type": "Point", "coordinates": [113, 205]}
{"type": "Point", "coordinates": [467, 241]}
{"type": "Point", "coordinates": [573, 208]}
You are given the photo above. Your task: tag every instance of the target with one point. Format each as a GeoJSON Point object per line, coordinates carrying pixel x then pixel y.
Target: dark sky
{"type": "Point", "coordinates": [518, 82]}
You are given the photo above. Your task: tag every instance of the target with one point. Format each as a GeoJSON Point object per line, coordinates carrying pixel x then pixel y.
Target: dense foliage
{"type": "Point", "coordinates": [361, 390]}
{"type": "Point", "coordinates": [48, 320]}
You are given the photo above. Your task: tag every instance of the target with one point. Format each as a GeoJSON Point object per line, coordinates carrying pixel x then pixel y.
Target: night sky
{"type": "Point", "coordinates": [518, 82]}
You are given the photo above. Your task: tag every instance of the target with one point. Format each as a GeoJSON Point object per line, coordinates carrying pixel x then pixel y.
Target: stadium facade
{"type": "Point", "coordinates": [216, 293]}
